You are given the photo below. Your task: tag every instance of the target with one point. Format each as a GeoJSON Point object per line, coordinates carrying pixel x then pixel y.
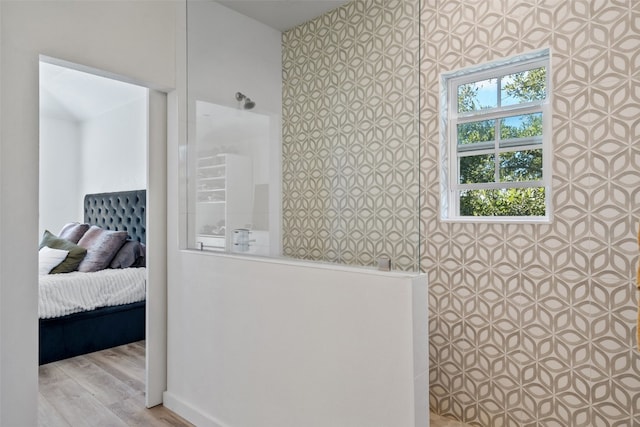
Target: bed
{"type": "Point", "coordinates": [104, 327]}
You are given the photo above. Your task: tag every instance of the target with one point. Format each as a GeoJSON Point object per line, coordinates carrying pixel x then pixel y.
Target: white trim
{"type": "Point", "coordinates": [524, 58]}
{"type": "Point", "coordinates": [497, 112]}
{"type": "Point", "coordinates": [189, 412]}
{"type": "Point", "coordinates": [505, 146]}
{"type": "Point", "coordinates": [156, 311]}
{"type": "Point", "coordinates": [500, 219]}
{"type": "Point", "coordinates": [373, 271]}
{"type": "Point", "coordinates": [498, 185]}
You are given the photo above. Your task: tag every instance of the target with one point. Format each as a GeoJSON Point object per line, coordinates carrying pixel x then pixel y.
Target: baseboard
{"type": "Point", "coordinates": [189, 412]}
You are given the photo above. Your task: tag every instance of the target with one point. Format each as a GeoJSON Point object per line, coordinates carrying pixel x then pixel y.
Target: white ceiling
{"type": "Point", "coordinates": [78, 96]}
{"type": "Point", "coordinates": [282, 14]}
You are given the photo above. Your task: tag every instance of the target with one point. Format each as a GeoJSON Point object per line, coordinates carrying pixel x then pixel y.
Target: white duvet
{"type": "Point", "coordinates": [62, 294]}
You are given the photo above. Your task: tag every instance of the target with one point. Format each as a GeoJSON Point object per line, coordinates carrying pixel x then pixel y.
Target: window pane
{"type": "Point", "coordinates": [523, 165]}
{"type": "Point", "coordinates": [478, 95]}
{"type": "Point", "coordinates": [473, 132]}
{"type": "Point", "coordinates": [503, 202]}
{"type": "Point", "coordinates": [524, 86]}
{"type": "Point", "coordinates": [523, 126]}
{"type": "Point", "coordinates": [474, 169]}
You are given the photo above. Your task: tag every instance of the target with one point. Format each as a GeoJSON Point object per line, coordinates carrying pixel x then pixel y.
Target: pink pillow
{"type": "Point", "coordinates": [73, 231]}
{"type": "Point", "coordinates": [101, 245]}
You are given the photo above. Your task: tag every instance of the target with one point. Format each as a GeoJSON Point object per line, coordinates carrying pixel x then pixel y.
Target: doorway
{"type": "Point", "coordinates": [101, 133]}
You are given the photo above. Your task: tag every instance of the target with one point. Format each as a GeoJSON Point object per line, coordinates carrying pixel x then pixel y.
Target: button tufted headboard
{"type": "Point", "coordinates": [123, 210]}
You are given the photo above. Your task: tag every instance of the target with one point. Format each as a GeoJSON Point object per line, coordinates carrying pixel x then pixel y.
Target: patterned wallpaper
{"type": "Point", "coordinates": [350, 142]}
{"type": "Point", "coordinates": [530, 324]}
{"type": "Point", "coordinates": [533, 325]}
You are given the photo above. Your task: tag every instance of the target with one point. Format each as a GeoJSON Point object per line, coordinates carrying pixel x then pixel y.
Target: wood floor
{"type": "Point", "coordinates": [105, 388]}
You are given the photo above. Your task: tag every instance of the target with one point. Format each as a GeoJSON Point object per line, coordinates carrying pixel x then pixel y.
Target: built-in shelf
{"type": "Point", "coordinates": [223, 195]}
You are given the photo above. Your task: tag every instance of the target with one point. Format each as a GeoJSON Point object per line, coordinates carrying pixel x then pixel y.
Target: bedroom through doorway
{"type": "Point", "coordinates": [95, 139]}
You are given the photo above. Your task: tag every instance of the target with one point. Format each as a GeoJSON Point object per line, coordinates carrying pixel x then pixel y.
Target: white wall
{"type": "Point", "coordinates": [255, 342]}
{"type": "Point", "coordinates": [133, 39]}
{"type": "Point", "coordinates": [60, 167]}
{"type": "Point", "coordinates": [231, 53]}
{"type": "Point", "coordinates": [103, 153]}
{"type": "Point", "coordinates": [114, 144]}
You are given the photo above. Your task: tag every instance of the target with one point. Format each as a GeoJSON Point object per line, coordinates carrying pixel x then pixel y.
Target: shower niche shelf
{"type": "Point", "coordinates": [223, 196]}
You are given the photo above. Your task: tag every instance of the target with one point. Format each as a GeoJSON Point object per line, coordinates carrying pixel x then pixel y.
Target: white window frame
{"type": "Point", "coordinates": [449, 177]}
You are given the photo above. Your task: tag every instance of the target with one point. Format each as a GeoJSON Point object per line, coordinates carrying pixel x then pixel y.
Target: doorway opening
{"type": "Point", "coordinates": [104, 137]}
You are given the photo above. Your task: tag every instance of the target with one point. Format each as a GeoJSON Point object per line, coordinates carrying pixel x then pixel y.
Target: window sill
{"type": "Point", "coordinates": [498, 220]}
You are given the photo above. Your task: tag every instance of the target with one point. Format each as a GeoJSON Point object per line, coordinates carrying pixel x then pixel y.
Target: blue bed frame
{"type": "Point", "coordinates": [86, 332]}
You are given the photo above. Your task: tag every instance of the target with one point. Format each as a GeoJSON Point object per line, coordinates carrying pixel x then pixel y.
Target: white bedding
{"type": "Point", "coordinates": [62, 294]}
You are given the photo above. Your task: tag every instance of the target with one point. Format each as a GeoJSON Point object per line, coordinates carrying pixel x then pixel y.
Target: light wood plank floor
{"type": "Point", "coordinates": [105, 388]}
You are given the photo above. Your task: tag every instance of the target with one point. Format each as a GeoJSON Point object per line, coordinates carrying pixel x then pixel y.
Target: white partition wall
{"type": "Point", "coordinates": [270, 343]}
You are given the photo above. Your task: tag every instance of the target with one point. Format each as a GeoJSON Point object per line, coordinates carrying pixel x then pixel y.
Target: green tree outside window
{"type": "Point", "coordinates": [511, 166]}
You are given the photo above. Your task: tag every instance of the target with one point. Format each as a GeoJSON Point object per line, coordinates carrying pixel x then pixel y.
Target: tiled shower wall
{"type": "Point", "coordinates": [533, 325]}
{"type": "Point", "coordinates": [530, 325]}
{"type": "Point", "coordinates": [350, 135]}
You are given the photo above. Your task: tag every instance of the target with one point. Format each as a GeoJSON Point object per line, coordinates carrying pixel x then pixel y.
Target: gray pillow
{"type": "Point", "coordinates": [141, 261]}
{"type": "Point", "coordinates": [101, 245]}
{"type": "Point", "coordinates": [73, 231]}
{"type": "Point", "coordinates": [73, 259]}
{"type": "Point", "coordinates": [131, 254]}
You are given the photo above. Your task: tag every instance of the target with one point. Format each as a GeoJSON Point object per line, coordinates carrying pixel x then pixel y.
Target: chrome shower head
{"type": "Point", "coordinates": [248, 103]}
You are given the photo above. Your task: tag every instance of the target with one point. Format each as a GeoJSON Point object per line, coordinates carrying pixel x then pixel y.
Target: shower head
{"type": "Point", "coordinates": [248, 103]}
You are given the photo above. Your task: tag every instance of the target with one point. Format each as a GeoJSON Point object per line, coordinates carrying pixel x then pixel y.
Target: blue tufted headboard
{"type": "Point", "coordinates": [122, 211]}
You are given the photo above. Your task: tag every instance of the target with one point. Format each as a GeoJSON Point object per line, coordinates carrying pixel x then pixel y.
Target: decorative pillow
{"type": "Point", "coordinates": [129, 255]}
{"type": "Point", "coordinates": [73, 259]}
{"type": "Point", "coordinates": [141, 261]}
{"type": "Point", "coordinates": [49, 258]}
{"type": "Point", "coordinates": [102, 245]}
{"type": "Point", "coordinates": [73, 231]}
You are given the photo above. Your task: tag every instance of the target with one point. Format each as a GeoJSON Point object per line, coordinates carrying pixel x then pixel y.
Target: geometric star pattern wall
{"type": "Point", "coordinates": [350, 144]}
{"type": "Point", "coordinates": [530, 324]}
{"type": "Point", "coordinates": [535, 324]}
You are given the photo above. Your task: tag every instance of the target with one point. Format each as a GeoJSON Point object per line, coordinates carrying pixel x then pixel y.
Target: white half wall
{"type": "Point", "coordinates": [59, 173]}
{"type": "Point", "coordinates": [262, 342]}
{"type": "Point", "coordinates": [259, 342]}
